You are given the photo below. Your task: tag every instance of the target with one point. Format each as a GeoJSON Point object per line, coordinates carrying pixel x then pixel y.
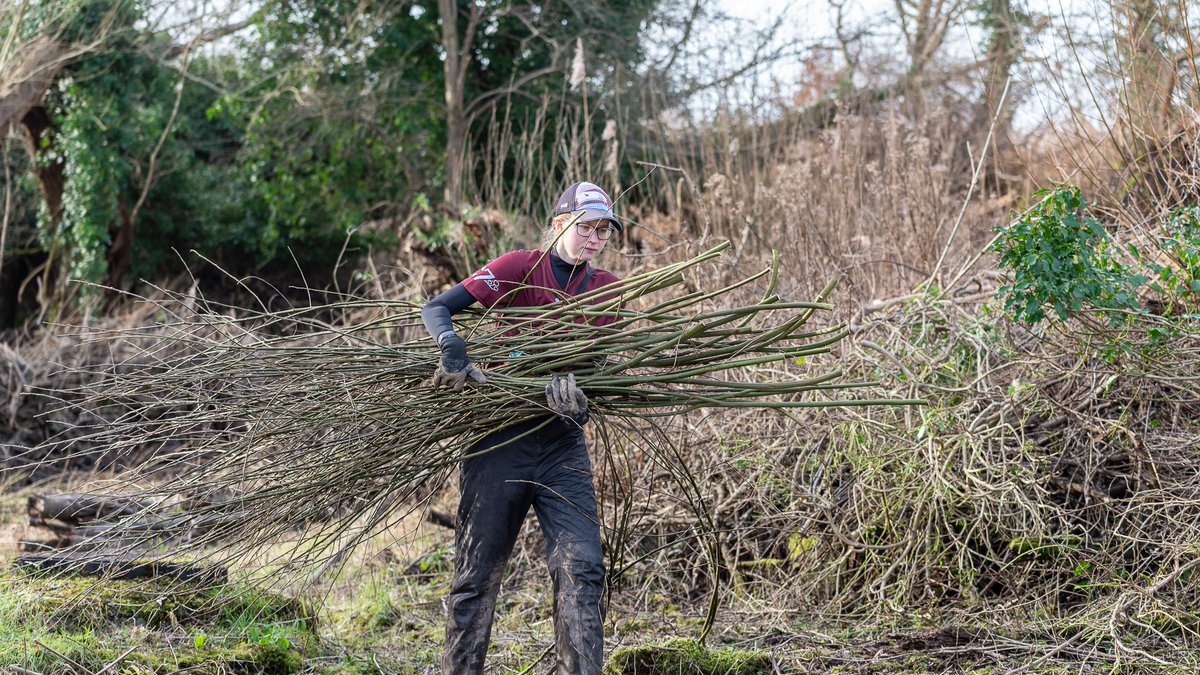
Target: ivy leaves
{"type": "Point", "coordinates": [1063, 261]}
{"type": "Point", "coordinates": [94, 172]}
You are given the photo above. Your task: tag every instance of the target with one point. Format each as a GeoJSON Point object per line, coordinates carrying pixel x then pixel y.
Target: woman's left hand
{"type": "Point", "coordinates": [566, 399]}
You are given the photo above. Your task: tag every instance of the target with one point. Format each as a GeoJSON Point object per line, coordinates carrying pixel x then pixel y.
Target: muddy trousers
{"type": "Point", "coordinates": [549, 470]}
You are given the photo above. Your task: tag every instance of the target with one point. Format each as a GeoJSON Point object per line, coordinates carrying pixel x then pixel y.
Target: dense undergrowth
{"type": "Point", "coordinates": [1038, 513]}
{"type": "Point", "coordinates": [1048, 484]}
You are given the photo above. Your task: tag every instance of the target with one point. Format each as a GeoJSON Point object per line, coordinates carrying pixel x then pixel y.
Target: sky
{"type": "Point", "coordinates": [808, 18]}
{"type": "Point", "coordinates": [1045, 81]}
{"type": "Point", "coordinates": [810, 24]}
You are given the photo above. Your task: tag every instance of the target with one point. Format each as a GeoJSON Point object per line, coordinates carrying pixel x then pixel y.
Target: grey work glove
{"type": "Point", "coordinates": [455, 367]}
{"type": "Point", "coordinates": [566, 399]}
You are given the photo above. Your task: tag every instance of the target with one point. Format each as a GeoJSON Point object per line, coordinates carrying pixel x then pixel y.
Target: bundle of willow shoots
{"type": "Point", "coordinates": [280, 425]}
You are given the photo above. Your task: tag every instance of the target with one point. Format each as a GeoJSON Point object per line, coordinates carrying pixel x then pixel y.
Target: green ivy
{"type": "Point", "coordinates": [100, 120]}
{"type": "Point", "coordinates": [93, 171]}
{"type": "Point", "coordinates": [1181, 243]}
{"type": "Point", "coordinates": [1063, 261]}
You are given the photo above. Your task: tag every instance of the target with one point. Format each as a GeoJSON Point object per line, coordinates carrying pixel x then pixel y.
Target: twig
{"type": "Point", "coordinates": [974, 181]}
{"type": "Point", "coordinates": [117, 661]}
{"type": "Point", "coordinates": [75, 667]}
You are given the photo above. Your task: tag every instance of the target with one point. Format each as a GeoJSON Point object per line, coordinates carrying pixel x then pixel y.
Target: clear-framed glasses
{"type": "Point", "coordinates": [602, 228]}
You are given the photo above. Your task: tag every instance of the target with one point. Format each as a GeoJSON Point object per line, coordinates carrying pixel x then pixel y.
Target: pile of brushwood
{"type": "Point", "coordinates": [1045, 500]}
{"type": "Point", "coordinates": [317, 426]}
{"type": "Point", "coordinates": [43, 377]}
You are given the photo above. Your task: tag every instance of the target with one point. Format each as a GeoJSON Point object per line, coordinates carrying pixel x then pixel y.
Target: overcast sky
{"type": "Point", "coordinates": [810, 19]}
{"type": "Point", "coordinates": [811, 22]}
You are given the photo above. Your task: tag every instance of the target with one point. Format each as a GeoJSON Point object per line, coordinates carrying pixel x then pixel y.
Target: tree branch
{"type": "Point", "coordinates": [478, 104]}
{"type": "Point", "coordinates": [687, 33]}
{"type": "Point", "coordinates": [27, 83]}
{"type": "Point", "coordinates": [210, 36]}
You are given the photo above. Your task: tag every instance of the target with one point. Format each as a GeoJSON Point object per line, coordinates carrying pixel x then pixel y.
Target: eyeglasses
{"type": "Point", "coordinates": [602, 232]}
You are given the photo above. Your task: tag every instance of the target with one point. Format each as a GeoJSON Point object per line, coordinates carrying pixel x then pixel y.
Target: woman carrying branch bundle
{"type": "Point", "coordinates": [524, 465]}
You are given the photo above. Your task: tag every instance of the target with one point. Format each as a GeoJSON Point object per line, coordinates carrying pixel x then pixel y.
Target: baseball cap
{"type": "Point", "coordinates": [590, 199]}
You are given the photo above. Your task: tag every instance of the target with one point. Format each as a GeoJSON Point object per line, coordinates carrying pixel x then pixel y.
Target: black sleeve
{"type": "Point", "coordinates": [437, 312]}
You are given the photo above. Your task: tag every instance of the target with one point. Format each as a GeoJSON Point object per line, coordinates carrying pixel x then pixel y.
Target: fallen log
{"type": "Point", "coordinates": [43, 545]}
{"type": "Point", "coordinates": [84, 508]}
{"type": "Point", "coordinates": [104, 525]}
{"type": "Point", "coordinates": [442, 518]}
{"type": "Point", "coordinates": [122, 568]}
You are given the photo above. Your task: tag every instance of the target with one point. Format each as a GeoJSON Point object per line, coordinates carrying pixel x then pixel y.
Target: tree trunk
{"type": "Point", "coordinates": [23, 87]}
{"type": "Point", "coordinates": [924, 24]}
{"type": "Point", "coordinates": [458, 59]}
{"type": "Point", "coordinates": [49, 174]}
{"type": "Point", "coordinates": [456, 143]}
{"type": "Point", "coordinates": [1001, 56]}
{"type": "Point", "coordinates": [51, 177]}
{"type": "Point", "coordinates": [121, 249]}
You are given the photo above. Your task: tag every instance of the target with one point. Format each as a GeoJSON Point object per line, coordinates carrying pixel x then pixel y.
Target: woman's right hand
{"type": "Point", "coordinates": [455, 367]}
{"type": "Point", "coordinates": [566, 399]}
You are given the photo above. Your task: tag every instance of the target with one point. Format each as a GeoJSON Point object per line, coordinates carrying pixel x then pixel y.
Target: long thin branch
{"type": "Point", "coordinates": [677, 48]}
{"type": "Point", "coordinates": [479, 103]}
{"type": "Point", "coordinates": [162, 138]}
{"type": "Point", "coordinates": [974, 181]}
{"type": "Point", "coordinates": [211, 36]}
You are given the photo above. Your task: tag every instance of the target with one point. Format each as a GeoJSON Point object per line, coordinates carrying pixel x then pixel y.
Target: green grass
{"type": "Point", "coordinates": [158, 626]}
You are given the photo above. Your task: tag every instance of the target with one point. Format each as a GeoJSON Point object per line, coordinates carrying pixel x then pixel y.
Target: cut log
{"type": "Point", "coordinates": [97, 526]}
{"type": "Point", "coordinates": [442, 518]}
{"type": "Point", "coordinates": [42, 545]}
{"type": "Point", "coordinates": [76, 543]}
{"type": "Point", "coordinates": [121, 568]}
{"type": "Point", "coordinates": [82, 508]}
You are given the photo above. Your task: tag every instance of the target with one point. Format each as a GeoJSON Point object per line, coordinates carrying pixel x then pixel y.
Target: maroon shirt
{"type": "Point", "coordinates": [526, 279]}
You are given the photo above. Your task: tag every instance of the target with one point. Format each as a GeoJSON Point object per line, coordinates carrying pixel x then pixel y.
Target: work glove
{"type": "Point", "coordinates": [566, 399]}
{"type": "Point", "coordinates": [455, 367]}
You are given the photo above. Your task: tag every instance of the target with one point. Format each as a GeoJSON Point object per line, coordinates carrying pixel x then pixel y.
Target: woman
{"type": "Point", "coordinates": [547, 469]}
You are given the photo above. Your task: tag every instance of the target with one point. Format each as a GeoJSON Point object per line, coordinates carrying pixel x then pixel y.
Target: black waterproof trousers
{"type": "Point", "coordinates": [549, 470]}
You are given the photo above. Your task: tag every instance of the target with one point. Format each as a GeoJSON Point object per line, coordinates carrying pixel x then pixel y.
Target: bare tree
{"type": "Point", "coordinates": [1155, 127]}
{"type": "Point", "coordinates": [924, 24]}
{"type": "Point", "coordinates": [458, 59]}
{"type": "Point", "coordinates": [459, 30]}
{"type": "Point", "coordinates": [1150, 63]}
{"type": "Point", "coordinates": [999, 58]}
{"type": "Point", "coordinates": [29, 66]}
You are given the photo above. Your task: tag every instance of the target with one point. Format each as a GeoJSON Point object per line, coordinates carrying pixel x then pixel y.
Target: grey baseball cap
{"type": "Point", "coordinates": [589, 199]}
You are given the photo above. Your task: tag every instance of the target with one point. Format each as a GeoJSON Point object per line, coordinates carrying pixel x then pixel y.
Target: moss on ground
{"type": "Point", "coordinates": [392, 623]}
{"type": "Point", "coordinates": [147, 653]}
{"type": "Point", "coordinates": [48, 623]}
{"type": "Point", "coordinates": [687, 657]}
{"type": "Point", "coordinates": [76, 603]}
